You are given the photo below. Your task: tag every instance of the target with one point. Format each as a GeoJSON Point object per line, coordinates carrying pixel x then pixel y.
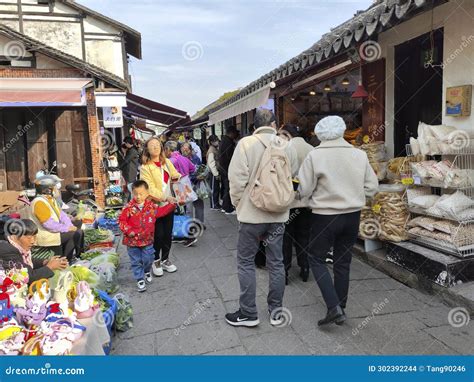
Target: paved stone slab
{"type": "Point", "coordinates": [238, 350]}
{"type": "Point", "coordinates": [221, 266]}
{"type": "Point", "coordinates": [281, 341]}
{"type": "Point", "coordinates": [197, 339]}
{"type": "Point", "coordinates": [433, 316]}
{"type": "Point", "coordinates": [460, 339]}
{"type": "Point", "coordinates": [135, 346]}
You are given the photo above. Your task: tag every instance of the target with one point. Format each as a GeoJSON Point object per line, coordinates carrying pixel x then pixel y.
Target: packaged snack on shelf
{"type": "Point", "coordinates": [392, 213]}
{"type": "Point", "coordinates": [369, 226]}
{"type": "Point", "coordinates": [413, 193]}
{"type": "Point", "coordinates": [375, 151]}
{"type": "Point", "coordinates": [380, 169]}
{"type": "Point", "coordinates": [454, 204]}
{"type": "Point", "coordinates": [424, 201]}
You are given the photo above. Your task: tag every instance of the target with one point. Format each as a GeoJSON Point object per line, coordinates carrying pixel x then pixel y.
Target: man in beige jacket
{"type": "Point", "coordinates": [337, 178]}
{"type": "Point", "coordinates": [256, 223]}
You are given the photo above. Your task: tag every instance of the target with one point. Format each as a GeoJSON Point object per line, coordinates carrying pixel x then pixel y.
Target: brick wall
{"type": "Point", "coordinates": [96, 149]}
{"type": "Point", "coordinates": [42, 73]}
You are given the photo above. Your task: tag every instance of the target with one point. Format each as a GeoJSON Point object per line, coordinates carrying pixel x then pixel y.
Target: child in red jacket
{"type": "Point", "coordinates": [137, 222]}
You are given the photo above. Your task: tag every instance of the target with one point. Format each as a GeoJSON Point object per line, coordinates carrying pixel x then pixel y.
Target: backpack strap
{"type": "Point", "coordinates": [254, 177]}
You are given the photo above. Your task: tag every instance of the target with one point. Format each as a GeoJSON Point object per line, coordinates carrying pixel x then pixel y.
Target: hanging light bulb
{"type": "Point", "coordinates": [327, 87]}
{"type": "Point", "coordinates": [345, 81]}
{"type": "Point", "coordinates": [312, 93]}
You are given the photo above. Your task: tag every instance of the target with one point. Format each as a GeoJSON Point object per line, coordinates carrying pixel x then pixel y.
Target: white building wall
{"type": "Point", "coordinates": [459, 58]}
{"type": "Point", "coordinates": [66, 31]}
{"type": "Point", "coordinates": [457, 23]}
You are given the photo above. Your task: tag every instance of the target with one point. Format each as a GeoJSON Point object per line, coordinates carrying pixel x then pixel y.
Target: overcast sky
{"type": "Point", "coordinates": [195, 50]}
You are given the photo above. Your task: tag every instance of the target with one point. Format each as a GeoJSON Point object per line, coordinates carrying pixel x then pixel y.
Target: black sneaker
{"type": "Point", "coordinates": [190, 242]}
{"type": "Point", "coordinates": [240, 319]}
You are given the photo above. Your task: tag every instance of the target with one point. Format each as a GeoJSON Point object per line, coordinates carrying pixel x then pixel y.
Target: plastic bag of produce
{"type": "Point", "coordinates": [108, 279]}
{"type": "Point", "coordinates": [96, 236]}
{"type": "Point", "coordinates": [80, 273]}
{"type": "Point", "coordinates": [106, 258]}
{"type": "Point", "coordinates": [202, 190]}
{"type": "Point", "coordinates": [124, 315]}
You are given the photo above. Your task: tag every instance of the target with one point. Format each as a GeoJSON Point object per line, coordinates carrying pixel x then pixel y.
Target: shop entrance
{"type": "Point", "coordinates": [418, 86]}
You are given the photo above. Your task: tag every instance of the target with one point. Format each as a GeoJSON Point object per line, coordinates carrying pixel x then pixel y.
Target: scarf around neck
{"type": "Point", "coordinates": [25, 254]}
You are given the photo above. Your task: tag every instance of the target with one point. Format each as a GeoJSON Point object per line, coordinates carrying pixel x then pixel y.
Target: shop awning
{"type": "Point", "coordinates": [110, 99]}
{"type": "Point", "coordinates": [23, 92]}
{"type": "Point", "coordinates": [249, 102]}
{"type": "Point", "coordinates": [147, 109]}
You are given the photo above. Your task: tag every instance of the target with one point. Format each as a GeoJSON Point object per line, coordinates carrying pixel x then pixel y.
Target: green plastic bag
{"type": "Point", "coordinates": [124, 316]}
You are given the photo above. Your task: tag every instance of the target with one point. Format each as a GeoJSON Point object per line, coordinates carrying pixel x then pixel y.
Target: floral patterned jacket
{"type": "Point", "coordinates": [138, 225]}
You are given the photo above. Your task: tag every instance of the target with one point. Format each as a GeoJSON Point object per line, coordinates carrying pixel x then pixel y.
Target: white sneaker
{"type": "Point", "coordinates": [157, 269]}
{"type": "Point", "coordinates": [276, 318]}
{"type": "Point", "coordinates": [168, 266]}
{"type": "Point", "coordinates": [141, 286]}
{"type": "Point", "coordinates": [148, 278]}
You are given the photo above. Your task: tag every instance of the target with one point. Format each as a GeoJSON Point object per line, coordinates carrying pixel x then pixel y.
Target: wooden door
{"type": "Point", "coordinates": [63, 143]}
{"type": "Point", "coordinates": [12, 124]}
{"type": "Point", "coordinates": [81, 146]}
{"type": "Point", "coordinates": [36, 142]}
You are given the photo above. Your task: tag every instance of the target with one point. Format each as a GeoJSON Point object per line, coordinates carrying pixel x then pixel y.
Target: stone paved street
{"type": "Point", "coordinates": [182, 313]}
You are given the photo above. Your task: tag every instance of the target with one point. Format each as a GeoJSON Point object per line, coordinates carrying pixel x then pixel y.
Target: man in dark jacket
{"type": "Point", "coordinates": [226, 150]}
{"type": "Point", "coordinates": [21, 236]}
{"type": "Point", "coordinates": [130, 163]}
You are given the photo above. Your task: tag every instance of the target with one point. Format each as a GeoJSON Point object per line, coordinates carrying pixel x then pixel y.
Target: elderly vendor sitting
{"type": "Point", "coordinates": [55, 229]}
{"type": "Point", "coordinates": [16, 249]}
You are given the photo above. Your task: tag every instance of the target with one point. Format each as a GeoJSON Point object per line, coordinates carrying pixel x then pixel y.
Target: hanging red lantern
{"type": "Point", "coordinates": [360, 92]}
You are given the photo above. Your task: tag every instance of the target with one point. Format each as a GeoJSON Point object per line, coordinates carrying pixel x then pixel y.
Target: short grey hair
{"type": "Point", "coordinates": [171, 145]}
{"type": "Point", "coordinates": [263, 117]}
{"type": "Point", "coordinates": [187, 144]}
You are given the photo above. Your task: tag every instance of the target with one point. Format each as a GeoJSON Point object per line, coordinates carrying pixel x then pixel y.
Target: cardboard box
{"type": "Point", "coordinates": [8, 199]}
{"type": "Point", "coordinates": [458, 101]}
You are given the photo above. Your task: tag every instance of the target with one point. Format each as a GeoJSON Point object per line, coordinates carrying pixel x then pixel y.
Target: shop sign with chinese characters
{"type": "Point", "coordinates": [112, 116]}
{"type": "Point", "coordinates": [373, 109]}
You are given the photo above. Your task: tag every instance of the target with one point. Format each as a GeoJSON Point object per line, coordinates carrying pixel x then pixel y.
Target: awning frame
{"type": "Point", "coordinates": [242, 105]}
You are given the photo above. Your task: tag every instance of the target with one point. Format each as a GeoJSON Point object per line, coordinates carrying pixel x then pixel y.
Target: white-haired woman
{"type": "Point", "coordinates": [337, 178]}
